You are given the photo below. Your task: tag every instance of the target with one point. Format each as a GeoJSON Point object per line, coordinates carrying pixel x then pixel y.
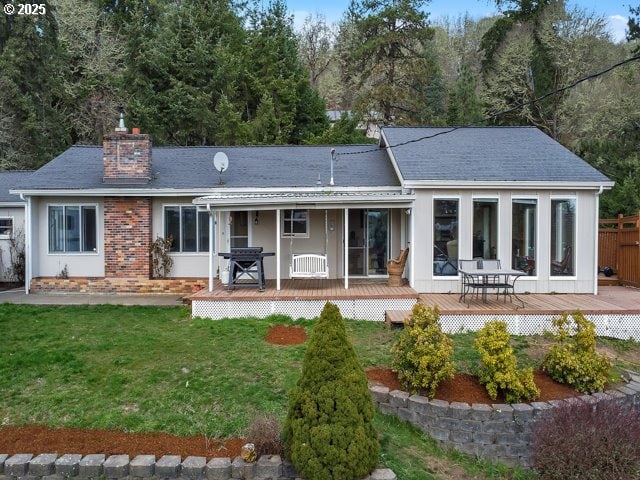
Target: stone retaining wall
{"type": "Point", "coordinates": [54, 467]}
{"type": "Point", "coordinates": [498, 431]}
{"type": "Point", "coordinates": [118, 285]}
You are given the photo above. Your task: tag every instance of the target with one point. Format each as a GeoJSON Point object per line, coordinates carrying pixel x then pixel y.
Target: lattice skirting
{"type": "Point", "coordinates": [615, 325]}
{"type": "Point", "coordinates": [353, 308]}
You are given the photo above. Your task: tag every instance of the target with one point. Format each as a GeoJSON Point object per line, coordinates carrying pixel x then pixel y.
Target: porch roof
{"type": "Point", "coordinates": [307, 199]}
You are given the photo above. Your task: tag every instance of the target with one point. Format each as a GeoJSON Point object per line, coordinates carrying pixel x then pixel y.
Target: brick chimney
{"type": "Point", "coordinates": [126, 156]}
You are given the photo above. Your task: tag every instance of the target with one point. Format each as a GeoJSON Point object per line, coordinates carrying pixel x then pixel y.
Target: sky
{"type": "Point", "coordinates": [616, 11]}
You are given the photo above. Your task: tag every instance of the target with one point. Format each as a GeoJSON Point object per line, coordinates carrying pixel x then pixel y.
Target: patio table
{"type": "Point", "coordinates": [500, 279]}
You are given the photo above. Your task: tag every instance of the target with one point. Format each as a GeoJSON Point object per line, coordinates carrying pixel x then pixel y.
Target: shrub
{"type": "Point", "coordinates": [422, 353]}
{"type": "Point", "coordinates": [573, 359]}
{"type": "Point", "coordinates": [329, 433]}
{"type": "Point", "coordinates": [498, 367]}
{"type": "Point", "coordinates": [264, 432]}
{"type": "Point", "coordinates": [586, 442]}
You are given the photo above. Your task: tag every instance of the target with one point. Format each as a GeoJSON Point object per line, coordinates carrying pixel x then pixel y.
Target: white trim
{"type": "Point", "coordinates": [504, 184]}
{"type": "Point", "coordinates": [412, 222]}
{"type": "Point", "coordinates": [80, 253]}
{"type": "Point", "coordinates": [180, 253]}
{"type": "Point", "coordinates": [27, 246]}
{"type": "Point", "coordinates": [433, 234]}
{"type": "Point", "coordinates": [392, 157]}
{"type": "Point", "coordinates": [211, 245]}
{"type": "Point", "coordinates": [194, 192]}
{"type": "Point", "coordinates": [537, 247]}
{"type": "Point", "coordinates": [13, 226]}
{"type": "Point", "coordinates": [597, 240]}
{"type": "Point", "coordinates": [574, 249]}
{"type": "Point", "coordinates": [278, 252]}
{"type": "Point", "coordinates": [345, 247]}
{"type": "Point", "coordinates": [475, 198]}
{"type": "Point", "coordinates": [292, 234]}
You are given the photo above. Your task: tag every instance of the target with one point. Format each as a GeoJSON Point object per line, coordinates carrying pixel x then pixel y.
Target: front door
{"type": "Point", "coordinates": [368, 242]}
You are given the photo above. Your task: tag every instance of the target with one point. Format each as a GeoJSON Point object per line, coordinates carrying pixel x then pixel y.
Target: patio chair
{"type": "Point", "coordinates": [559, 268]}
{"type": "Point", "coordinates": [470, 283]}
{"type": "Point", "coordinates": [395, 268]}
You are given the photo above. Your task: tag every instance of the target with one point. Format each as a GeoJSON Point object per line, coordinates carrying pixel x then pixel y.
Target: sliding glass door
{"type": "Point", "coordinates": [368, 242]}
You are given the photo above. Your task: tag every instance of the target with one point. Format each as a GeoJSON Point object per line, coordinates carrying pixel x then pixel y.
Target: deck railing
{"type": "Point", "coordinates": [619, 247]}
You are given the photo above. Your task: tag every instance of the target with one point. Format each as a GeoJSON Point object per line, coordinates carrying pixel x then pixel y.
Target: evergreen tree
{"type": "Point", "coordinates": [464, 104]}
{"type": "Point", "coordinates": [31, 127]}
{"type": "Point", "coordinates": [384, 45]}
{"type": "Point", "coordinates": [329, 433]}
{"type": "Point", "coordinates": [277, 72]}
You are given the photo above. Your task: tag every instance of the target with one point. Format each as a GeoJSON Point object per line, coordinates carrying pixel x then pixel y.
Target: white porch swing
{"type": "Point", "coordinates": [309, 265]}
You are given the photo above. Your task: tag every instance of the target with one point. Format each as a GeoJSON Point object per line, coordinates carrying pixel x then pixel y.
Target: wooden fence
{"type": "Point", "coordinates": [619, 247]}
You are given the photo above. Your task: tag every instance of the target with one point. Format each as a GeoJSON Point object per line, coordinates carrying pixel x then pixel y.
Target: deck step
{"type": "Point", "coordinates": [396, 317]}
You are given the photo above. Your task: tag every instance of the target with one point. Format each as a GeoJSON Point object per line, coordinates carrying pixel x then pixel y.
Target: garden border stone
{"type": "Point", "coordinates": [499, 431]}
{"type": "Point", "coordinates": [66, 466]}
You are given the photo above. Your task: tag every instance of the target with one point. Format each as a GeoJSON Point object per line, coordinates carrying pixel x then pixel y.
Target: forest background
{"type": "Point", "coordinates": [221, 72]}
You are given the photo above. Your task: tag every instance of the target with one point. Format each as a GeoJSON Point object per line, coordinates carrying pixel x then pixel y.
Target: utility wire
{"type": "Point", "coordinates": [503, 112]}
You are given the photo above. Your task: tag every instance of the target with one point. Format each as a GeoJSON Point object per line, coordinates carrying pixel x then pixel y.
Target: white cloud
{"type": "Point", "coordinates": [617, 27]}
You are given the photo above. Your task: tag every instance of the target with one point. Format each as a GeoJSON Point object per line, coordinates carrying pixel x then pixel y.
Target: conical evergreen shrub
{"type": "Point", "coordinates": [329, 433]}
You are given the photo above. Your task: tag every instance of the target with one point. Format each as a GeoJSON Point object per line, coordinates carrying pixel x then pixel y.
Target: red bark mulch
{"type": "Point", "coordinates": [40, 439]}
{"type": "Point", "coordinates": [467, 388]}
{"type": "Point", "coordinates": [286, 335]}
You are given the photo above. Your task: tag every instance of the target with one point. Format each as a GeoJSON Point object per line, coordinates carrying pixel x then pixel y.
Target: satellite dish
{"type": "Point", "coordinates": [221, 162]}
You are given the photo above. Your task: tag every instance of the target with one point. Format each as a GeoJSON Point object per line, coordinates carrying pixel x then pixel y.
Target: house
{"type": "Point", "coordinates": [12, 211]}
{"type": "Point", "coordinates": [508, 193]}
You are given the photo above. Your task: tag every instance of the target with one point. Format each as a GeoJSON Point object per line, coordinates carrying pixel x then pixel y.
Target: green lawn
{"type": "Point", "coordinates": [156, 369]}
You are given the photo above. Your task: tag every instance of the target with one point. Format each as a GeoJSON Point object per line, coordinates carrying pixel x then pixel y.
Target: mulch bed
{"type": "Point", "coordinates": [286, 335]}
{"type": "Point", "coordinates": [467, 388]}
{"type": "Point", "coordinates": [41, 439]}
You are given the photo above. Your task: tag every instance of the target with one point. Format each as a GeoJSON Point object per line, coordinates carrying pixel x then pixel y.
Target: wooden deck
{"type": "Point", "coordinates": [309, 289]}
{"type": "Point", "coordinates": [610, 300]}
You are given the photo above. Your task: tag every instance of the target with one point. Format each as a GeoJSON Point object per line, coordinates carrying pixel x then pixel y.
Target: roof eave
{"type": "Point", "coordinates": [510, 185]}
{"type": "Point", "coordinates": [194, 192]}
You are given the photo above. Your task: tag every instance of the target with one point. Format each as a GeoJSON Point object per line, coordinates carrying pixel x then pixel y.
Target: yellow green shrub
{"type": "Point", "coordinates": [573, 359]}
{"type": "Point", "coordinates": [498, 368]}
{"type": "Point", "coordinates": [422, 353]}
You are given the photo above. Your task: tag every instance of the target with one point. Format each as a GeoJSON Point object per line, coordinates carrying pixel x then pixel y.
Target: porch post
{"type": "Point", "coordinates": [211, 246]}
{"type": "Point", "coordinates": [346, 248]}
{"type": "Point", "coordinates": [412, 245]}
{"type": "Point", "coordinates": [278, 249]}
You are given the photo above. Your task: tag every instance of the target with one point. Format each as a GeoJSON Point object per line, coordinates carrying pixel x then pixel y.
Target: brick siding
{"type": "Point", "coordinates": [127, 237]}
{"type": "Point", "coordinates": [117, 285]}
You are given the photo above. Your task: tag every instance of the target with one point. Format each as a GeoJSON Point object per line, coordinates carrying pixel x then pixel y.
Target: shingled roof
{"type": "Point", "coordinates": [8, 180]}
{"type": "Point", "coordinates": [80, 167]}
{"type": "Point", "coordinates": [483, 154]}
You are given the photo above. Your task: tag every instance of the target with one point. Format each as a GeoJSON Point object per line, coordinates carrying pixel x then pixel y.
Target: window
{"type": "Point", "coordinates": [523, 248]}
{"type": "Point", "coordinates": [485, 228]}
{"type": "Point", "coordinates": [445, 237]}
{"type": "Point", "coordinates": [72, 228]}
{"type": "Point", "coordinates": [6, 227]}
{"type": "Point", "coordinates": [295, 223]}
{"type": "Point", "coordinates": [188, 228]}
{"type": "Point", "coordinates": [563, 232]}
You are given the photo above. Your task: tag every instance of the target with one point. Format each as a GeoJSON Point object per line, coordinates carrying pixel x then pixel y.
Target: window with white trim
{"type": "Point", "coordinates": [73, 229]}
{"type": "Point", "coordinates": [563, 236]}
{"type": "Point", "coordinates": [295, 223]}
{"type": "Point", "coordinates": [188, 228]}
{"type": "Point", "coordinates": [6, 227]}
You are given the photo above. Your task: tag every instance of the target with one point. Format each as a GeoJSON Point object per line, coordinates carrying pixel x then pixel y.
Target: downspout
{"type": "Point", "coordinates": [597, 222]}
{"type": "Point", "coordinates": [27, 243]}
